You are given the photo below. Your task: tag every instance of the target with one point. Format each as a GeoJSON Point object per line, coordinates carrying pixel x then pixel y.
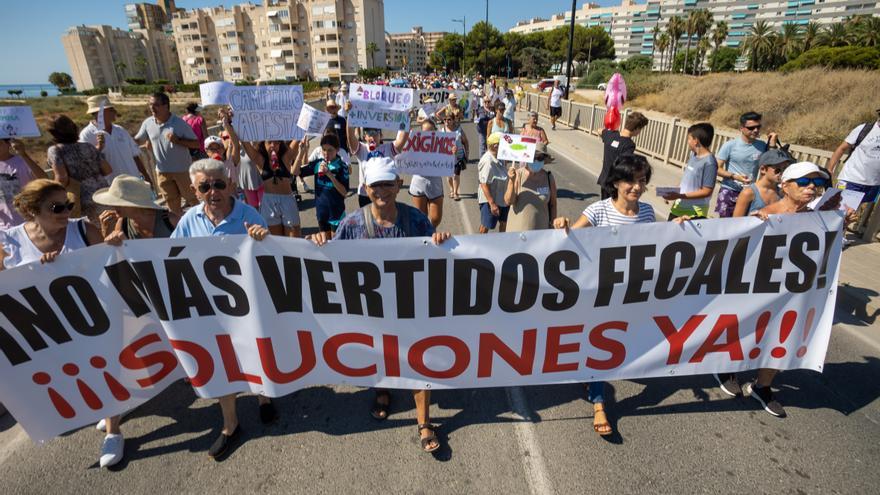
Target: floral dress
{"type": "Point", "coordinates": [83, 164]}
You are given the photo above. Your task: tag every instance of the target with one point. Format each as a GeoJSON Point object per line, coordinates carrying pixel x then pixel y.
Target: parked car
{"type": "Point", "coordinates": [602, 86]}
{"type": "Point", "coordinates": [547, 84]}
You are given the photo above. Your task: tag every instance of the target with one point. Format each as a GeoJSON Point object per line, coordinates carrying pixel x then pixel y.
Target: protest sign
{"type": "Point", "coordinates": [17, 122]}
{"type": "Point", "coordinates": [362, 115]}
{"type": "Point", "coordinates": [441, 99]}
{"type": "Point", "coordinates": [266, 113]}
{"type": "Point", "coordinates": [313, 121]}
{"type": "Point", "coordinates": [517, 148]}
{"type": "Point", "coordinates": [103, 328]}
{"type": "Point", "coordinates": [664, 190]}
{"type": "Point", "coordinates": [851, 199]}
{"type": "Point", "coordinates": [215, 93]}
{"type": "Point", "coordinates": [374, 96]}
{"type": "Point", "coordinates": [427, 153]}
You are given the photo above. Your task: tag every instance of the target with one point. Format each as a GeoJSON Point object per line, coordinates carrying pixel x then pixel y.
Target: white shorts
{"type": "Point", "coordinates": [426, 187]}
{"type": "Point", "coordinates": [280, 209]}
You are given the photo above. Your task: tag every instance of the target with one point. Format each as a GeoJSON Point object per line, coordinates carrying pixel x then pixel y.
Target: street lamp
{"type": "Point", "coordinates": [486, 43]}
{"type": "Point", "coordinates": [570, 48]}
{"type": "Point", "coordinates": [463, 22]}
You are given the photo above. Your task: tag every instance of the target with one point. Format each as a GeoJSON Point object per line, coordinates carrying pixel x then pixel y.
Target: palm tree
{"type": "Point", "coordinates": [836, 35]}
{"type": "Point", "coordinates": [811, 35]}
{"type": "Point", "coordinates": [759, 45]}
{"type": "Point", "coordinates": [790, 42]}
{"type": "Point", "coordinates": [690, 25]}
{"type": "Point", "coordinates": [867, 33]}
{"type": "Point", "coordinates": [662, 45]}
{"type": "Point", "coordinates": [654, 34]}
{"type": "Point", "coordinates": [719, 35]}
{"type": "Point", "coordinates": [703, 45]}
{"type": "Point", "coordinates": [371, 51]}
{"type": "Point", "coordinates": [674, 28]}
{"type": "Point", "coordinates": [701, 27]}
{"type": "Point", "coordinates": [120, 71]}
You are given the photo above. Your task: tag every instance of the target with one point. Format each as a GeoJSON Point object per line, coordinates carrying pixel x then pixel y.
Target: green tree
{"type": "Point", "coordinates": [836, 35]}
{"type": "Point", "coordinates": [759, 45]}
{"type": "Point", "coordinates": [841, 57]}
{"type": "Point", "coordinates": [120, 70]}
{"type": "Point", "coordinates": [675, 28]}
{"type": "Point", "coordinates": [477, 55]}
{"type": "Point", "coordinates": [812, 34]}
{"type": "Point", "coordinates": [723, 59]}
{"type": "Point", "coordinates": [789, 42]}
{"type": "Point", "coordinates": [371, 49]}
{"type": "Point", "coordinates": [449, 52]}
{"type": "Point", "coordinates": [141, 63]}
{"type": "Point", "coordinates": [690, 24]}
{"type": "Point", "coordinates": [535, 62]}
{"type": "Point", "coordinates": [589, 43]}
{"type": "Point", "coordinates": [867, 32]}
{"type": "Point", "coordinates": [636, 63]}
{"type": "Point", "coordinates": [702, 25]}
{"type": "Point", "coordinates": [655, 33]}
{"type": "Point", "coordinates": [719, 36]}
{"type": "Point", "coordinates": [685, 57]}
{"type": "Point", "coordinates": [61, 80]}
{"type": "Point", "coordinates": [663, 45]}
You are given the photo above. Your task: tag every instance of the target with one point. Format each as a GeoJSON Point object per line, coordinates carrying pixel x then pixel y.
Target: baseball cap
{"type": "Point", "coordinates": [774, 157]}
{"type": "Point", "coordinates": [379, 169]}
{"type": "Point", "coordinates": [213, 140]}
{"type": "Point", "coordinates": [802, 169]}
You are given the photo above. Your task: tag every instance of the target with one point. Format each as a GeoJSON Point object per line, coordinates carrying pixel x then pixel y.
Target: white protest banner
{"type": "Point", "coordinates": [17, 122]}
{"type": "Point", "coordinates": [266, 113]}
{"type": "Point", "coordinates": [851, 199]}
{"type": "Point", "coordinates": [313, 121]}
{"type": "Point", "coordinates": [374, 96]}
{"type": "Point", "coordinates": [362, 115]}
{"type": "Point", "coordinates": [87, 336]}
{"type": "Point", "coordinates": [441, 99]}
{"type": "Point", "coordinates": [215, 93]}
{"type": "Point", "coordinates": [427, 153]}
{"type": "Point", "coordinates": [517, 148]}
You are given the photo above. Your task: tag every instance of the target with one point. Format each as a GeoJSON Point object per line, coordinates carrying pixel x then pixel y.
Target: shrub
{"type": "Point", "coordinates": [842, 57]}
{"type": "Point", "coordinates": [723, 59]}
{"type": "Point", "coordinates": [135, 80]}
{"type": "Point", "coordinates": [44, 93]}
{"type": "Point", "coordinates": [371, 73]}
{"type": "Point", "coordinates": [600, 71]}
{"type": "Point", "coordinates": [100, 90]}
{"type": "Point", "coordinates": [637, 63]}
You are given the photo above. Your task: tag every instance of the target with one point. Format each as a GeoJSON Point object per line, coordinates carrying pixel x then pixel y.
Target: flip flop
{"type": "Point", "coordinates": [380, 410]}
{"type": "Point", "coordinates": [598, 427]}
{"type": "Point", "coordinates": [432, 438]}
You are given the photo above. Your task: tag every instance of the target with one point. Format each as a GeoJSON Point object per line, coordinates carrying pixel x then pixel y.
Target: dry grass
{"type": "Point", "coordinates": [812, 107]}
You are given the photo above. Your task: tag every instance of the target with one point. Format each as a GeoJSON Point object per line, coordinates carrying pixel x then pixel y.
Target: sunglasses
{"type": "Point", "coordinates": [806, 181]}
{"type": "Point", "coordinates": [218, 184]}
{"type": "Point", "coordinates": [752, 127]}
{"type": "Point", "coordinates": [59, 208]}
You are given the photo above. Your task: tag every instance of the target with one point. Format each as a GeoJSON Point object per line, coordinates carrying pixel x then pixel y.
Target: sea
{"type": "Point", "coordinates": [28, 90]}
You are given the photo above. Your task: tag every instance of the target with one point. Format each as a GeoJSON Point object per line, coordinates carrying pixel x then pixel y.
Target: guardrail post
{"type": "Point", "coordinates": [592, 117]}
{"type": "Point", "coordinates": [667, 146]}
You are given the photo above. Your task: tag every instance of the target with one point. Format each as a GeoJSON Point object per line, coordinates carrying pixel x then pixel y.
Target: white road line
{"type": "Point", "coordinates": [530, 451]}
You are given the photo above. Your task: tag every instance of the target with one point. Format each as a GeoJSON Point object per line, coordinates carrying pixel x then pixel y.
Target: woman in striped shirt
{"type": "Point", "coordinates": [626, 182]}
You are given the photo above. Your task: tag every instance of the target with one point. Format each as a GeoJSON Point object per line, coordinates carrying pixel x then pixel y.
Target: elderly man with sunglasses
{"type": "Point", "coordinates": [738, 162]}
{"type": "Point", "coordinates": [219, 213]}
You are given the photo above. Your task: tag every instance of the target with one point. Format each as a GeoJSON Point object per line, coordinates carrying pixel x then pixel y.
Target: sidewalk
{"type": "Point", "coordinates": [859, 285]}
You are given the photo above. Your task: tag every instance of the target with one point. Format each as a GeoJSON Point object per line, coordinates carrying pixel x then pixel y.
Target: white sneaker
{"type": "Point", "coordinates": [111, 450]}
{"type": "Point", "coordinates": [102, 425]}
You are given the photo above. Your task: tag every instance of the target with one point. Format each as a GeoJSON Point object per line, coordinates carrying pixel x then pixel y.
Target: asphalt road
{"type": "Point", "coordinates": [674, 435]}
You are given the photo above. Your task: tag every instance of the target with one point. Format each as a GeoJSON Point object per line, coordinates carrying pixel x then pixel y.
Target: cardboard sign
{"type": "Point", "coordinates": [516, 148]}
{"type": "Point", "coordinates": [428, 153]}
{"type": "Point", "coordinates": [266, 113]}
{"type": "Point", "coordinates": [364, 115]}
{"type": "Point", "coordinates": [17, 122]}
{"type": "Point", "coordinates": [466, 102]}
{"type": "Point", "coordinates": [215, 93]}
{"type": "Point", "coordinates": [313, 121]}
{"type": "Point", "coordinates": [384, 97]}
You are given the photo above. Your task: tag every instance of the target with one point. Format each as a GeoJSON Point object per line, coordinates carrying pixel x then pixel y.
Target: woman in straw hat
{"type": "Point", "coordinates": [133, 214]}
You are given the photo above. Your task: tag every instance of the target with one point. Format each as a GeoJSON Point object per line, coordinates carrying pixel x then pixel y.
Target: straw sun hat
{"type": "Point", "coordinates": [126, 191]}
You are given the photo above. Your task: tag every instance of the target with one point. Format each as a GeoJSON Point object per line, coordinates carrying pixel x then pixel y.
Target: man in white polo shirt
{"type": "Point", "coordinates": [120, 150]}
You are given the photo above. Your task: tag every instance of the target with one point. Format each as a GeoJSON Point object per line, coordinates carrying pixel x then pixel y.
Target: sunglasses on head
{"type": "Point", "coordinates": [806, 181]}
{"type": "Point", "coordinates": [752, 127]}
{"type": "Point", "coordinates": [59, 208]}
{"type": "Point", "coordinates": [383, 185]}
{"type": "Point", "coordinates": [206, 186]}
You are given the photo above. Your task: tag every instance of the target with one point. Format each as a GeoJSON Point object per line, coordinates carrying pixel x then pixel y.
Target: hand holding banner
{"type": "Point", "coordinates": [313, 121]}
{"type": "Point", "coordinates": [517, 148]}
{"type": "Point", "coordinates": [17, 122]}
{"type": "Point", "coordinates": [266, 113]}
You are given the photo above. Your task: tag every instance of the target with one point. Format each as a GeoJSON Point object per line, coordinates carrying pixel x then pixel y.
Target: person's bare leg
{"type": "Point", "coordinates": [423, 411]}
{"type": "Point", "coordinates": [456, 185]}
{"type": "Point", "coordinates": [502, 226]}
{"type": "Point", "coordinates": [765, 377]}
{"type": "Point", "coordinates": [230, 417]}
{"type": "Point", "coordinates": [435, 211]}
{"type": "Point", "coordinates": [421, 203]}
{"type": "Point", "coordinates": [449, 180]}
{"type": "Point", "coordinates": [483, 230]}
{"type": "Point", "coordinates": [113, 425]}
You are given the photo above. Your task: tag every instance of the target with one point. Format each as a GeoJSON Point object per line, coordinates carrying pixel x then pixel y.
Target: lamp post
{"type": "Point", "coordinates": [486, 42]}
{"type": "Point", "coordinates": [570, 48]}
{"type": "Point", "coordinates": [463, 22]}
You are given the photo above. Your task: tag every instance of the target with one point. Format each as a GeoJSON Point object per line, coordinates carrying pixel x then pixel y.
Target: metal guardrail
{"type": "Point", "coordinates": [665, 140]}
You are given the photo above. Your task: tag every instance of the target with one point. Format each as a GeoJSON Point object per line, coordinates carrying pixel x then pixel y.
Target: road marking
{"type": "Point", "coordinates": [531, 455]}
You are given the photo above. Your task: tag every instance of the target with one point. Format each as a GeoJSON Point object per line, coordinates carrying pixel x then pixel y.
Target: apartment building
{"type": "Point", "coordinates": [106, 56]}
{"type": "Point", "coordinates": [280, 39]}
{"type": "Point", "coordinates": [155, 17]}
{"type": "Point", "coordinates": [631, 24]}
{"type": "Point", "coordinates": [411, 50]}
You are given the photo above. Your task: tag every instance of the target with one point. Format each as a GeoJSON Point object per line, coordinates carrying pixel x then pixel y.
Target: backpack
{"type": "Point", "coordinates": [867, 127]}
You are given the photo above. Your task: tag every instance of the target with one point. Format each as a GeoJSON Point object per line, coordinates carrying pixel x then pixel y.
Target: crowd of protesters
{"type": "Point", "coordinates": [212, 185]}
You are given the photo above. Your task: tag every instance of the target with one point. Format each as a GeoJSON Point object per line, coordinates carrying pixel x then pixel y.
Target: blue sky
{"type": "Point", "coordinates": [32, 30]}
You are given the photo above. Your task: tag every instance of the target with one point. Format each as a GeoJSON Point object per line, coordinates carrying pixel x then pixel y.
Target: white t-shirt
{"type": "Point", "coordinates": [863, 166]}
{"type": "Point", "coordinates": [119, 149]}
{"type": "Point", "coordinates": [556, 97]}
{"type": "Point", "coordinates": [343, 155]}
{"type": "Point", "coordinates": [385, 150]}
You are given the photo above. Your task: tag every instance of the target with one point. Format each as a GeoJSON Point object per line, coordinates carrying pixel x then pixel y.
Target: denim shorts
{"type": "Point", "coordinates": [488, 220]}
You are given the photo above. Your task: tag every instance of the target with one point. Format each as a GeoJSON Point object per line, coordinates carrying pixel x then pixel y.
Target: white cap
{"type": "Point", "coordinates": [379, 169]}
{"type": "Point", "coordinates": [802, 169]}
{"type": "Point", "coordinates": [213, 140]}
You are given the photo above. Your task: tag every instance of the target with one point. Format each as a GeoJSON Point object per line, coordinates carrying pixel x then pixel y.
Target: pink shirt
{"type": "Point", "coordinates": [196, 121]}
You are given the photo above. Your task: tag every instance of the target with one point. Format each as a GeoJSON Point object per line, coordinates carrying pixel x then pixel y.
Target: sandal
{"type": "Point", "coordinates": [380, 408]}
{"type": "Point", "coordinates": [432, 438]}
{"type": "Point", "coordinates": [603, 428]}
